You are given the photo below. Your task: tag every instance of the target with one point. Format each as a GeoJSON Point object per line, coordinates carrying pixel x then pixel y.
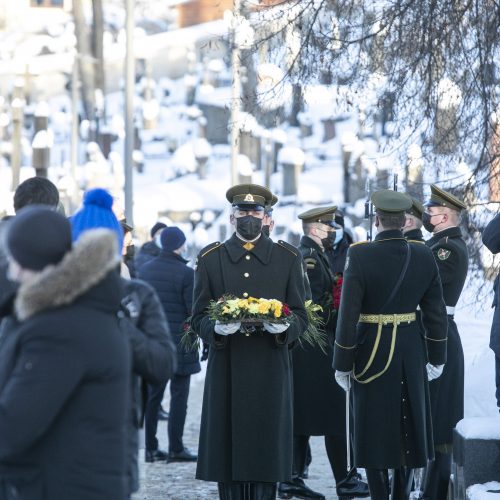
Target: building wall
{"type": "Point", "coordinates": [201, 11]}
{"type": "Point", "coordinates": [29, 14]}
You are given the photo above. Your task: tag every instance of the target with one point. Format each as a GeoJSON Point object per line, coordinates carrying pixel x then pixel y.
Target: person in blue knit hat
{"type": "Point", "coordinates": [96, 212]}
{"type": "Point", "coordinates": [141, 318]}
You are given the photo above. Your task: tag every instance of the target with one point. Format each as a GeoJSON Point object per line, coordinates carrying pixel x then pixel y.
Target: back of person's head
{"type": "Point", "coordinates": [159, 226]}
{"type": "Point", "coordinates": [37, 237]}
{"type": "Point", "coordinates": [172, 238]}
{"type": "Point", "coordinates": [96, 212]}
{"type": "Point", "coordinates": [36, 191]}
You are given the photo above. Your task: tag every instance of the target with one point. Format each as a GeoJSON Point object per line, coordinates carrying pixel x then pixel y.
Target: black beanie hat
{"type": "Point", "coordinates": [37, 237]}
{"type": "Point", "coordinates": [156, 228]}
{"type": "Point", "coordinates": [172, 238]}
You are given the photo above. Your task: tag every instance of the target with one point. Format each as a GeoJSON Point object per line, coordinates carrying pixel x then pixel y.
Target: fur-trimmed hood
{"type": "Point", "coordinates": [90, 260]}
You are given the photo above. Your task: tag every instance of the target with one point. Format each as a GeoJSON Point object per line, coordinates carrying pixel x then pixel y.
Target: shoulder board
{"type": "Point", "coordinates": [359, 243]}
{"type": "Point", "coordinates": [289, 247]}
{"type": "Point", "coordinates": [416, 241]}
{"type": "Point", "coordinates": [209, 248]}
{"type": "Point", "coordinates": [440, 243]}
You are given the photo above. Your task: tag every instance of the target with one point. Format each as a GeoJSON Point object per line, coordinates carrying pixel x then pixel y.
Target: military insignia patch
{"type": "Point", "coordinates": [443, 254]}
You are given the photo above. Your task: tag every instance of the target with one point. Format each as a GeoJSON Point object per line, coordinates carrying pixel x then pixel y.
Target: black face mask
{"type": "Point", "coordinates": [426, 221]}
{"type": "Point", "coordinates": [266, 230]}
{"type": "Point", "coordinates": [329, 241]}
{"type": "Point", "coordinates": [129, 252]}
{"type": "Point", "coordinates": [248, 227]}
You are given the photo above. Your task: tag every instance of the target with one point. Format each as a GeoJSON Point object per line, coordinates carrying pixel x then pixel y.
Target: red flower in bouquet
{"type": "Point", "coordinates": [286, 310]}
{"type": "Point", "coordinates": [337, 291]}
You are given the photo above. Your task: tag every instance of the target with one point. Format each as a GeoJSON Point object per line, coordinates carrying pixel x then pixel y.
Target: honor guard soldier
{"type": "Point", "coordinates": [442, 218]}
{"type": "Point", "coordinates": [412, 229]}
{"type": "Point", "coordinates": [379, 347]}
{"type": "Point", "coordinates": [319, 402]}
{"type": "Point", "coordinates": [246, 433]}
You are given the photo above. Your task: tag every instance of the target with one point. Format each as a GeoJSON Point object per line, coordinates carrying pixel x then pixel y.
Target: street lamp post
{"type": "Point", "coordinates": [235, 95]}
{"type": "Point", "coordinates": [129, 111]}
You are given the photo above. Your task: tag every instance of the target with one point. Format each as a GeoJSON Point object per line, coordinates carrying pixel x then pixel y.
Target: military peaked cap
{"type": "Point", "coordinates": [391, 202]}
{"type": "Point", "coordinates": [416, 209]}
{"type": "Point", "coordinates": [440, 198]}
{"type": "Point", "coordinates": [325, 215]}
{"type": "Point", "coordinates": [245, 195]}
{"type": "Point", "coordinates": [269, 208]}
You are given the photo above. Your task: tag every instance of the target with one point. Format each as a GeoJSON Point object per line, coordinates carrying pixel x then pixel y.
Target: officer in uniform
{"type": "Point", "coordinates": [412, 229]}
{"type": "Point", "coordinates": [380, 348]}
{"type": "Point", "coordinates": [319, 403]}
{"type": "Point", "coordinates": [246, 433]}
{"type": "Point", "coordinates": [442, 218]}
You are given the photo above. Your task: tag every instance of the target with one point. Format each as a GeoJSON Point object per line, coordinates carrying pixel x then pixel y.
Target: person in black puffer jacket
{"type": "Point", "coordinates": [65, 365]}
{"type": "Point", "coordinates": [173, 281]}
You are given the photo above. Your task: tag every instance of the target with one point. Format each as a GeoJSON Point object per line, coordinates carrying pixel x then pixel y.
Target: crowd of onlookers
{"type": "Point", "coordinates": [86, 348]}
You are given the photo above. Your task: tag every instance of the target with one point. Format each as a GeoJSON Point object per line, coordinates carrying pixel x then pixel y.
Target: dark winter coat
{"type": "Point", "coordinates": [491, 240]}
{"type": "Point", "coordinates": [447, 391]}
{"type": "Point", "coordinates": [65, 381]}
{"type": "Point", "coordinates": [319, 408]}
{"type": "Point", "coordinates": [392, 421]}
{"type": "Point", "coordinates": [414, 235]}
{"type": "Point", "coordinates": [338, 254]}
{"type": "Point", "coordinates": [246, 424]}
{"type": "Point", "coordinates": [154, 355]}
{"type": "Point", "coordinates": [147, 252]}
{"type": "Point", "coordinates": [173, 281]}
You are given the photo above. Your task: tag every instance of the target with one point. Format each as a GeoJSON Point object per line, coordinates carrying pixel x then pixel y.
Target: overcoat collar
{"type": "Point", "coordinates": [262, 249]}
{"type": "Point", "coordinates": [308, 242]}
{"type": "Point", "coordinates": [389, 234]}
{"type": "Point", "coordinates": [450, 232]}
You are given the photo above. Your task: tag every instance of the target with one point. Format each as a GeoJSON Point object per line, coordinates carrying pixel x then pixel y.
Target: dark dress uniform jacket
{"type": "Point", "coordinates": [391, 413]}
{"type": "Point", "coordinates": [414, 235]}
{"type": "Point", "coordinates": [246, 424]}
{"type": "Point", "coordinates": [447, 391]}
{"type": "Point", "coordinates": [491, 239]}
{"type": "Point", "coordinates": [319, 402]}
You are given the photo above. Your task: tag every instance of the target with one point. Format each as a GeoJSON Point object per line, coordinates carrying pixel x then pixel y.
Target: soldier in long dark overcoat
{"type": "Point", "coordinates": [246, 426]}
{"type": "Point", "coordinates": [412, 229]}
{"type": "Point", "coordinates": [319, 402]}
{"type": "Point", "coordinates": [380, 346]}
{"type": "Point", "coordinates": [447, 392]}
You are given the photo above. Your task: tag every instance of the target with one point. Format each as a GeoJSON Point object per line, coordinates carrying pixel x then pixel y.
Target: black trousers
{"type": "Point", "coordinates": [179, 392]}
{"type": "Point", "coordinates": [335, 449]}
{"type": "Point", "coordinates": [247, 491]}
{"type": "Point", "coordinates": [497, 379]}
{"type": "Point", "coordinates": [155, 396]}
{"type": "Point", "coordinates": [378, 482]}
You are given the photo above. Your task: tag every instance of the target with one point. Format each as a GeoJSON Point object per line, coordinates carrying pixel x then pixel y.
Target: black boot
{"type": "Point", "coordinates": [402, 480]}
{"type": "Point", "coordinates": [437, 477]}
{"type": "Point", "coordinates": [231, 491]}
{"type": "Point", "coordinates": [379, 483]}
{"type": "Point", "coordinates": [262, 491]}
{"type": "Point", "coordinates": [296, 488]}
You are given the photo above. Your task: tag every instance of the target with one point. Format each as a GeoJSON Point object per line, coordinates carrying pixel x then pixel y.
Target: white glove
{"type": "Point", "coordinates": [343, 379]}
{"type": "Point", "coordinates": [434, 371]}
{"type": "Point", "coordinates": [275, 328]}
{"type": "Point", "coordinates": [226, 328]}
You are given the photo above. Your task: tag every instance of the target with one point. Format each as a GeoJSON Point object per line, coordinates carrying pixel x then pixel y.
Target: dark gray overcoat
{"type": "Point", "coordinates": [392, 421]}
{"type": "Point", "coordinates": [319, 402]}
{"type": "Point", "coordinates": [246, 425]}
